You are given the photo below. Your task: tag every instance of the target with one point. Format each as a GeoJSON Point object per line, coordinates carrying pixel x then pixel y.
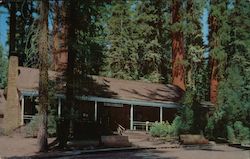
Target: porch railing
{"type": "Point", "coordinates": [142, 125]}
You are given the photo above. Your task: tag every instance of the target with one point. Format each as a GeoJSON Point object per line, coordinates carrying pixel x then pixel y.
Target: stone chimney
{"type": "Point", "coordinates": [12, 110]}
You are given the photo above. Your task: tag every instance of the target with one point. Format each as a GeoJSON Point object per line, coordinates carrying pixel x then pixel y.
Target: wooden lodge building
{"type": "Point", "coordinates": [103, 100]}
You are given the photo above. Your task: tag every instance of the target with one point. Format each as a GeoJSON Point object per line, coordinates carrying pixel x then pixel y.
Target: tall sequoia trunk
{"type": "Point", "coordinates": [55, 50]}
{"type": "Point", "coordinates": [214, 80]}
{"type": "Point", "coordinates": [60, 47]}
{"type": "Point", "coordinates": [69, 40]}
{"type": "Point", "coordinates": [43, 77]}
{"type": "Point", "coordinates": [178, 72]}
{"type": "Point", "coordinates": [213, 62]}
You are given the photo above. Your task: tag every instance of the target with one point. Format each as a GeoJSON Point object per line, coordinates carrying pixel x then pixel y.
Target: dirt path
{"type": "Point", "coordinates": [17, 145]}
{"type": "Point", "coordinates": [221, 152]}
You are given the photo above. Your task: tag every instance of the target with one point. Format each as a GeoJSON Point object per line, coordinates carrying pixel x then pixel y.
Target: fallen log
{"type": "Point", "coordinates": [115, 141]}
{"type": "Point", "coordinates": [190, 139]}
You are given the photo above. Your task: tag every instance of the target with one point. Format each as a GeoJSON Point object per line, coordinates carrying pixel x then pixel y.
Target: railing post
{"type": "Point", "coordinates": [161, 113]}
{"type": "Point", "coordinates": [147, 124]}
{"type": "Point", "coordinates": [95, 110]}
{"type": "Point", "coordinates": [59, 108]}
{"type": "Point", "coordinates": [22, 110]}
{"type": "Point", "coordinates": [131, 116]}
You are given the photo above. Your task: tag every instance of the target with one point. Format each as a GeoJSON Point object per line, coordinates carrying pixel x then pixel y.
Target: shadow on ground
{"type": "Point", "coordinates": [138, 154]}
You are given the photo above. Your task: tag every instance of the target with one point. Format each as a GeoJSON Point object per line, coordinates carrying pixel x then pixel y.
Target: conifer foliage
{"type": "Point", "coordinates": [121, 56]}
{"type": "Point", "coordinates": [3, 68]}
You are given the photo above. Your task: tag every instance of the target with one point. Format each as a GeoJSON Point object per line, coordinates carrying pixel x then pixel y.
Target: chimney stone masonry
{"type": "Point", "coordinates": [12, 110]}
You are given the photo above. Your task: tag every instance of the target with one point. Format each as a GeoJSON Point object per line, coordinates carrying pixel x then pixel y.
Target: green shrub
{"type": "Point", "coordinates": [186, 120]}
{"type": "Point", "coordinates": [238, 133]}
{"type": "Point", "coordinates": [181, 124]}
{"type": "Point", "coordinates": [176, 125]}
{"type": "Point", "coordinates": [230, 134]}
{"type": "Point", "coordinates": [31, 128]}
{"type": "Point", "coordinates": [216, 125]}
{"type": "Point", "coordinates": [161, 129]}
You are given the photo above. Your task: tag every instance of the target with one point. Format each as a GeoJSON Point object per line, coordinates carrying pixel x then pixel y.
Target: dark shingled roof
{"type": "Point", "coordinates": [28, 79]}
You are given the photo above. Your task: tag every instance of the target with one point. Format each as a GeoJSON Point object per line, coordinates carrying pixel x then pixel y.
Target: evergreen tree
{"type": "Point", "coordinates": [231, 119]}
{"type": "Point", "coordinates": [121, 57]}
{"type": "Point", "coordinates": [90, 46]}
{"type": "Point", "coordinates": [3, 68]}
{"type": "Point", "coordinates": [25, 11]}
{"type": "Point", "coordinates": [151, 42]}
{"type": "Point", "coordinates": [25, 19]}
{"type": "Point", "coordinates": [136, 41]}
{"type": "Point", "coordinates": [194, 63]}
{"type": "Point", "coordinates": [194, 59]}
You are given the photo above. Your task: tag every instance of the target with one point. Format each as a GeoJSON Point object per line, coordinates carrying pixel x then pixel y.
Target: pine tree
{"type": "Point", "coordinates": [234, 89]}
{"type": "Point", "coordinates": [194, 63]}
{"type": "Point", "coordinates": [150, 39]}
{"type": "Point", "coordinates": [91, 45]}
{"type": "Point", "coordinates": [3, 68]}
{"type": "Point", "coordinates": [137, 41]}
{"type": "Point", "coordinates": [25, 19]}
{"type": "Point", "coordinates": [43, 76]}
{"type": "Point", "coordinates": [24, 31]}
{"type": "Point", "coordinates": [194, 59]}
{"type": "Point", "coordinates": [231, 119]}
{"type": "Point", "coordinates": [121, 58]}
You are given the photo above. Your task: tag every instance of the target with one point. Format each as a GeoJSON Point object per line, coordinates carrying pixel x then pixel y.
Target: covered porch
{"type": "Point", "coordinates": [131, 114]}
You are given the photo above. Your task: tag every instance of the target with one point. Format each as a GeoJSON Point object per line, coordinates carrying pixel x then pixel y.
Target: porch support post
{"type": "Point", "coordinates": [22, 110]}
{"type": "Point", "coordinates": [131, 116]}
{"type": "Point", "coordinates": [161, 110]}
{"type": "Point", "coordinates": [95, 110]}
{"type": "Point", "coordinates": [59, 107]}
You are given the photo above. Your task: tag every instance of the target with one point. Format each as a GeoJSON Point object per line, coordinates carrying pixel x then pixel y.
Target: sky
{"type": "Point", "coordinates": [4, 27]}
{"type": "Point", "coordinates": [204, 20]}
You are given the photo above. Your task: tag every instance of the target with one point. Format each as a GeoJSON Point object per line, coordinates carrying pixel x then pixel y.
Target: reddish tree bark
{"type": "Point", "coordinates": [60, 49]}
{"type": "Point", "coordinates": [68, 40]}
{"type": "Point", "coordinates": [213, 62]}
{"type": "Point", "coordinates": [55, 49]}
{"type": "Point", "coordinates": [214, 81]}
{"type": "Point", "coordinates": [63, 52]}
{"type": "Point", "coordinates": [178, 72]}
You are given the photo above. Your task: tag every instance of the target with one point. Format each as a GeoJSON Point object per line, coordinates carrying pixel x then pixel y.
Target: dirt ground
{"type": "Point", "coordinates": [222, 152]}
{"type": "Point", "coordinates": [18, 146]}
